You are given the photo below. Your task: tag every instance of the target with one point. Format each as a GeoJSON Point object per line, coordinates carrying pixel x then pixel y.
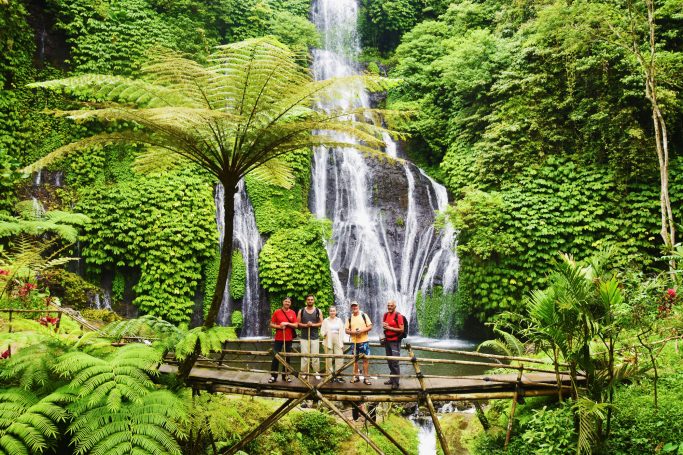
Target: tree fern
{"type": "Point", "coordinates": [209, 340]}
{"type": "Point", "coordinates": [148, 425]}
{"type": "Point", "coordinates": [238, 115]}
{"type": "Point", "coordinates": [28, 424]}
{"type": "Point", "coordinates": [125, 374]}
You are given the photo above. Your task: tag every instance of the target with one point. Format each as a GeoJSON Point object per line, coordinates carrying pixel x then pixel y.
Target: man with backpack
{"type": "Point", "coordinates": [394, 327]}
{"type": "Point", "coordinates": [284, 324]}
{"type": "Point", "coordinates": [357, 327]}
{"type": "Point", "coordinates": [309, 321]}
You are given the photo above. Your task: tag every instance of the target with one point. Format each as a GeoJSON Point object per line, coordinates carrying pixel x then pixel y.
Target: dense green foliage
{"type": "Point", "coordinates": [294, 263]}
{"type": "Point", "coordinates": [161, 226]}
{"type": "Point", "coordinates": [541, 131]}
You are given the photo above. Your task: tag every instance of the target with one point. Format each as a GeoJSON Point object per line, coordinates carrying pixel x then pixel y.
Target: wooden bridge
{"type": "Point", "coordinates": [241, 371]}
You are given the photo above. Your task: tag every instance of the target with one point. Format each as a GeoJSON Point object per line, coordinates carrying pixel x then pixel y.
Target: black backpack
{"type": "Point", "coordinates": [403, 334]}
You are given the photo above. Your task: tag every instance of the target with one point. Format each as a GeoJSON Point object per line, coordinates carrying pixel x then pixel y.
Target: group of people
{"type": "Point", "coordinates": [332, 330]}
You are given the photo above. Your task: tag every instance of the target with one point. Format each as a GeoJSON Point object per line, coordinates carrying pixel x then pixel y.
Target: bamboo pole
{"type": "Point", "coordinates": [372, 398]}
{"type": "Point", "coordinates": [430, 404]}
{"type": "Point", "coordinates": [315, 391]}
{"type": "Point", "coordinates": [379, 428]}
{"type": "Point", "coordinates": [484, 355]}
{"type": "Point", "coordinates": [274, 417]}
{"type": "Point", "coordinates": [513, 407]}
{"type": "Point", "coordinates": [341, 415]}
{"type": "Point", "coordinates": [409, 360]}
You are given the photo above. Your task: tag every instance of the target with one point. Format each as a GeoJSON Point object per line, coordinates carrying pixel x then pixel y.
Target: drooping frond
{"type": "Point", "coordinates": [144, 327]}
{"type": "Point", "coordinates": [149, 425]}
{"type": "Point", "coordinates": [276, 171]}
{"type": "Point", "coordinates": [210, 340]}
{"type": "Point", "coordinates": [28, 425]}
{"type": "Point", "coordinates": [590, 414]}
{"type": "Point", "coordinates": [505, 344]}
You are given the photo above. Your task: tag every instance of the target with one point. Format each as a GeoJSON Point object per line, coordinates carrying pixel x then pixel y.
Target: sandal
{"type": "Point", "coordinates": [367, 382]}
{"type": "Point", "coordinates": [271, 380]}
{"type": "Point", "coordinates": [288, 379]}
{"type": "Point", "coordinates": [354, 380]}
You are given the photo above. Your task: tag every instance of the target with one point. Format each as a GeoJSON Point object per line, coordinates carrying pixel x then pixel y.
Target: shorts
{"type": "Point", "coordinates": [362, 348]}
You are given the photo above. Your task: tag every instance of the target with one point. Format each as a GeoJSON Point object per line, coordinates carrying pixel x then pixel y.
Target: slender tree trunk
{"type": "Point", "coordinates": [668, 228]}
{"type": "Point", "coordinates": [226, 254]}
{"type": "Point", "coordinates": [223, 273]}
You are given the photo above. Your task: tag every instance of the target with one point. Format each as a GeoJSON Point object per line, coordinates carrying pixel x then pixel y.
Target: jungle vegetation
{"type": "Point", "coordinates": [555, 126]}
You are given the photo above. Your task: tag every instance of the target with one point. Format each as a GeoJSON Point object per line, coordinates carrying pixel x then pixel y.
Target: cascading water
{"type": "Point", "coordinates": [247, 240]}
{"type": "Point", "coordinates": [384, 244]}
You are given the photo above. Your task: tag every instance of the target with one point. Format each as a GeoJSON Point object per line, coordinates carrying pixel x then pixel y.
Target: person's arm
{"type": "Point", "coordinates": [323, 329]}
{"type": "Point", "coordinates": [368, 325]}
{"type": "Point", "coordinates": [274, 323]}
{"type": "Point", "coordinates": [347, 327]}
{"type": "Point", "coordinates": [319, 323]}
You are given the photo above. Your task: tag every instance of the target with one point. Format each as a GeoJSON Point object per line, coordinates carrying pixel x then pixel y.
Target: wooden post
{"type": "Point", "coordinates": [274, 417]}
{"type": "Point", "coordinates": [430, 404]}
{"type": "Point", "coordinates": [315, 391]}
{"type": "Point", "coordinates": [379, 428]}
{"type": "Point", "coordinates": [336, 410]}
{"type": "Point", "coordinates": [513, 406]}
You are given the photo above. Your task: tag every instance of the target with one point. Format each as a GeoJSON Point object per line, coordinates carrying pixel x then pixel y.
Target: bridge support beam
{"type": "Point", "coordinates": [430, 404]}
{"type": "Point", "coordinates": [379, 428]}
{"type": "Point", "coordinates": [269, 422]}
{"type": "Point", "coordinates": [314, 391]}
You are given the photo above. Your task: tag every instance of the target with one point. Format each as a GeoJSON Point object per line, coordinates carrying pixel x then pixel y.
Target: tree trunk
{"type": "Point", "coordinates": [668, 229]}
{"type": "Point", "coordinates": [226, 254]}
{"type": "Point", "coordinates": [223, 273]}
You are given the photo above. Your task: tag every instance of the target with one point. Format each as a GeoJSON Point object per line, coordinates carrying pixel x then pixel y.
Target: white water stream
{"type": "Point", "coordinates": [371, 260]}
{"type": "Point", "coordinates": [247, 240]}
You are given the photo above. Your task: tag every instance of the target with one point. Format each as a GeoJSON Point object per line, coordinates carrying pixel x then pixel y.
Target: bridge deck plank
{"type": "Point", "coordinates": [473, 384]}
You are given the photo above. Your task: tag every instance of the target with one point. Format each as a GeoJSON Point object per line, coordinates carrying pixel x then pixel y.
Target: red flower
{"type": "Point", "coordinates": [4, 272]}
{"type": "Point", "coordinates": [671, 293]}
{"type": "Point", "coordinates": [47, 320]}
{"type": "Point", "coordinates": [5, 355]}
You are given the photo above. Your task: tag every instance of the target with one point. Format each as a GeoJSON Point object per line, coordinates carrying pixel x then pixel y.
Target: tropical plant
{"type": "Point", "coordinates": [240, 115]}
{"type": "Point", "coordinates": [28, 423]}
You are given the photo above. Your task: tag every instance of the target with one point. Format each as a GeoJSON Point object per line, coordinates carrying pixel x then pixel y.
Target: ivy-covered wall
{"type": "Point", "coordinates": [510, 237]}
{"type": "Point", "coordinates": [163, 226]}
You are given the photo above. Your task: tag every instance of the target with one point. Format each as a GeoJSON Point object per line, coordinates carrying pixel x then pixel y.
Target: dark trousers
{"type": "Point", "coordinates": [393, 348]}
{"type": "Point", "coordinates": [275, 364]}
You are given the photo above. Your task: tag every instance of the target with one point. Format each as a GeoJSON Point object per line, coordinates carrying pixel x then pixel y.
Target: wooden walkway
{"type": "Point", "coordinates": [241, 371]}
{"type": "Point", "coordinates": [226, 380]}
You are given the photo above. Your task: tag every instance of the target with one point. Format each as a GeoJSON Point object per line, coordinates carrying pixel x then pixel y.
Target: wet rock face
{"type": "Point", "coordinates": [369, 252]}
{"type": "Point", "coordinates": [390, 194]}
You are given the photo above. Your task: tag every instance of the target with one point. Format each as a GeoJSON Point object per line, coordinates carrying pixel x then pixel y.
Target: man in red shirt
{"type": "Point", "coordinates": [284, 323]}
{"type": "Point", "coordinates": [392, 323]}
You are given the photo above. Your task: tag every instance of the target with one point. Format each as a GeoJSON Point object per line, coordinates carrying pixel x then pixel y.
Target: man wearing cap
{"type": "Point", "coordinates": [357, 327]}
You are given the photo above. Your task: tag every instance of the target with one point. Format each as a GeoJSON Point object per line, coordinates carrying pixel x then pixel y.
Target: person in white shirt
{"type": "Point", "coordinates": [332, 332]}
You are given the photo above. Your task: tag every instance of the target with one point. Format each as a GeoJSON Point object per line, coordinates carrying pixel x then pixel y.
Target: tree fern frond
{"type": "Point", "coordinates": [134, 92]}
{"type": "Point", "coordinates": [276, 171]}
{"type": "Point", "coordinates": [29, 424]}
{"type": "Point", "coordinates": [147, 426]}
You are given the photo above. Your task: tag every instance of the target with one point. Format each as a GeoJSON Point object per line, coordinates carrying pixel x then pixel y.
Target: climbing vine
{"type": "Point", "coordinates": [508, 238]}
{"type": "Point", "coordinates": [162, 226]}
{"type": "Point", "coordinates": [293, 262]}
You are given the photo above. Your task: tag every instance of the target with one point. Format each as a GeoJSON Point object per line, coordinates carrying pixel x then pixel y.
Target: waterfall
{"type": "Point", "coordinates": [384, 244]}
{"type": "Point", "coordinates": [426, 434]}
{"type": "Point", "coordinates": [247, 240]}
